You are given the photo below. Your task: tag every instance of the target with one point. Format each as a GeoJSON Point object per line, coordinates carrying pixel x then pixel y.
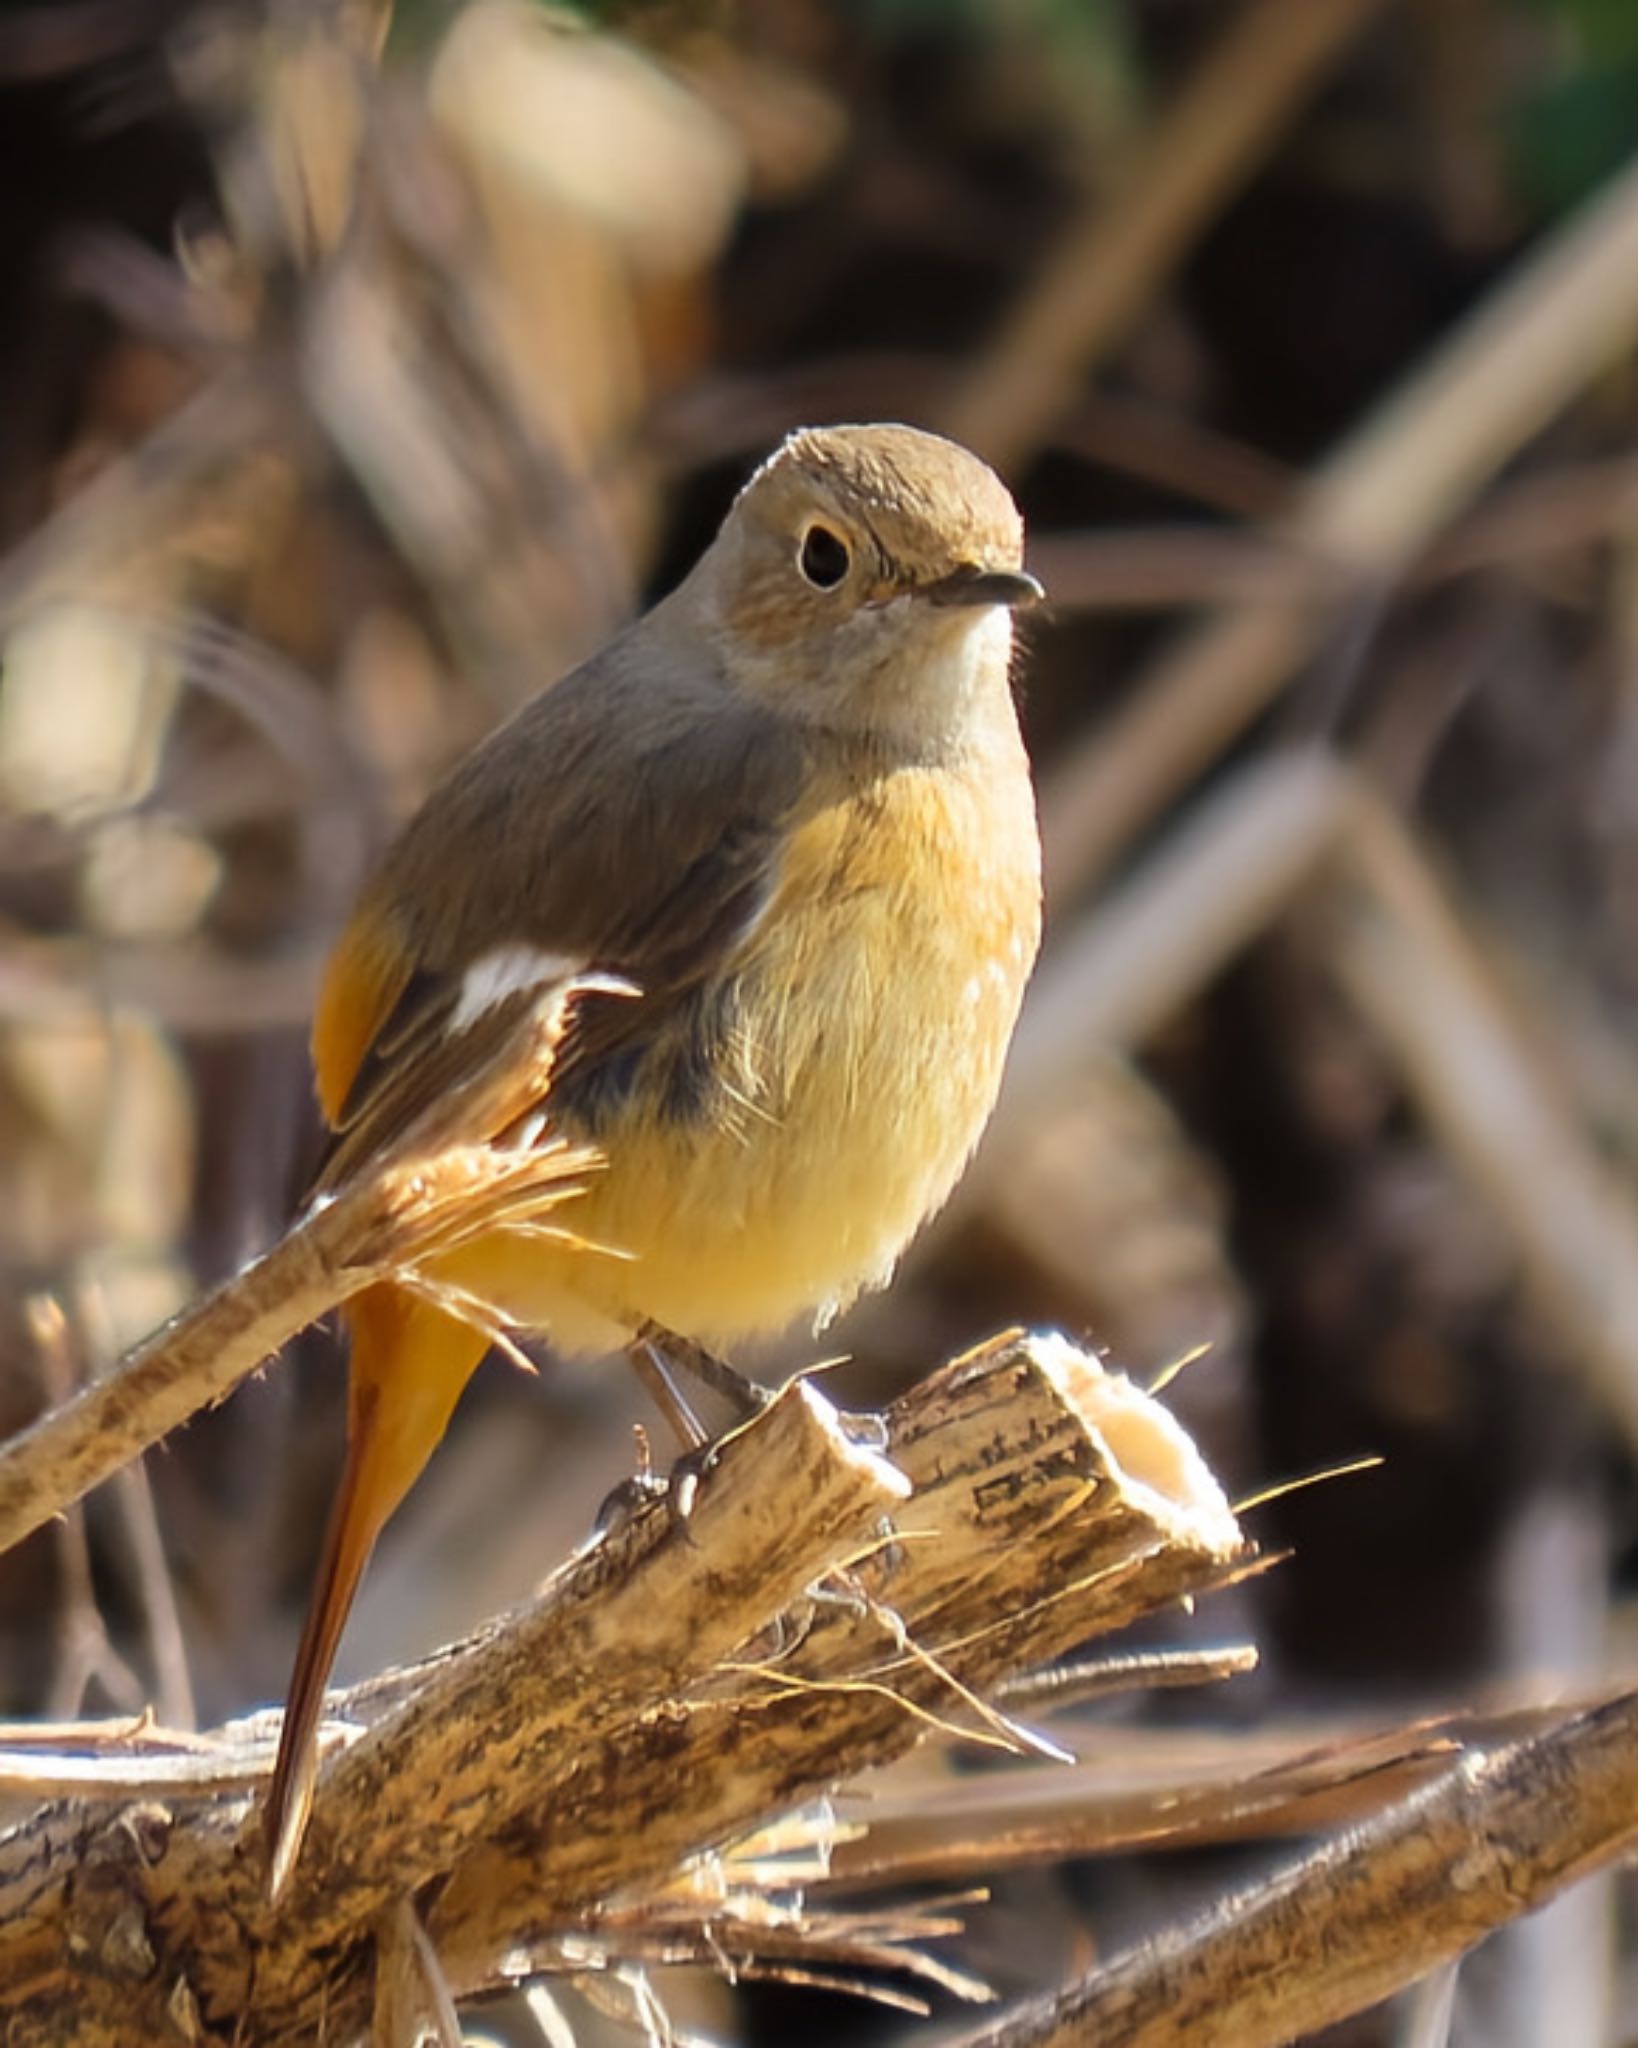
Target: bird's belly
{"type": "Point", "coordinates": [870, 1032]}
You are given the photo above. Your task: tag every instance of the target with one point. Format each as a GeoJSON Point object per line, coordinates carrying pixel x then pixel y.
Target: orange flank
{"type": "Point", "coordinates": [365, 977]}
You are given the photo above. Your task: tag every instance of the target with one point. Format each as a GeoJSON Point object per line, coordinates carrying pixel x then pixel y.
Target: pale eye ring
{"type": "Point", "coordinates": [824, 558]}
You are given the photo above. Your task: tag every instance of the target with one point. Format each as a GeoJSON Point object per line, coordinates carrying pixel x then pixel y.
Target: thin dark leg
{"type": "Point", "coordinates": [743, 1395]}
{"type": "Point", "coordinates": [652, 1367]}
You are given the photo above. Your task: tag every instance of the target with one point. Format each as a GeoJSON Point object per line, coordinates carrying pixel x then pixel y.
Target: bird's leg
{"type": "Point", "coordinates": [743, 1395]}
{"type": "Point", "coordinates": [657, 1354]}
{"type": "Point", "coordinates": [653, 1368]}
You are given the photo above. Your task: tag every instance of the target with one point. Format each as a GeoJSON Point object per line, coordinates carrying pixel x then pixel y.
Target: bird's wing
{"type": "Point", "coordinates": [607, 830]}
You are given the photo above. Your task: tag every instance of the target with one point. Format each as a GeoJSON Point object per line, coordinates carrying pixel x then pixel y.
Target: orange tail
{"type": "Point", "coordinates": [409, 1364]}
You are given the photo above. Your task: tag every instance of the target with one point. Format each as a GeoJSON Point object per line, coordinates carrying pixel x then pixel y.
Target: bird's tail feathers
{"type": "Point", "coordinates": [409, 1365]}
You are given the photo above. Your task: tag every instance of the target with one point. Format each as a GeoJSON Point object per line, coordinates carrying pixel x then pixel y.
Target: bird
{"type": "Point", "coordinates": [787, 815]}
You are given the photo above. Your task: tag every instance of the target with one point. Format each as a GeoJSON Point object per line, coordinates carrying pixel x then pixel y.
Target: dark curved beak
{"type": "Point", "coordinates": [970, 585]}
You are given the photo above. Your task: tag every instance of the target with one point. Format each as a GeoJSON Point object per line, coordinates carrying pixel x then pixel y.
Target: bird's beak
{"type": "Point", "coordinates": [970, 585]}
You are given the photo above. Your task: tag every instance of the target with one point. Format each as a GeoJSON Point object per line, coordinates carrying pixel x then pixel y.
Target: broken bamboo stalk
{"type": "Point", "coordinates": [682, 1682]}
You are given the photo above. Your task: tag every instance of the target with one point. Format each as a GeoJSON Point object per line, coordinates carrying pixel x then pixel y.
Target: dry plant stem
{"type": "Point", "coordinates": [156, 1592]}
{"type": "Point", "coordinates": [1373, 505]}
{"type": "Point", "coordinates": [1164, 567]}
{"type": "Point", "coordinates": [1399, 946]}
{"type": "Point", "coordinates": [1553, 1977]}
{"type": "Point", "coordinates": [412, 2001]}
{"type": "Point", "coordinates": [1494, 1837]}
{"type": "Point", "coordinates": [84, 1653]}
{"type": "Point", "coordinates": [1110, 264]}
{"type": "Point", "coordinates": [606, 1720]}
{"type": "Point", "coordinates": [1184, 1787]}
{"type": "Point", "coordinates": [181, 987]}
{"type": "Point", "coordinates": [1400, 949]}
{"type": "Point", "coordinates": [144, 1546]}
{"type": "Point", "coordinates": [188, 1365]}
{"type": "Point", "coordinates": [1219, 879]}
{"type": "Point", "coordinates": [488, 503]}
{"type": "Point", "coordinates": [1096, 1678]}
{"type": "Point", "coordinates": [1160, 568]}
{"type": "Point", "coordinates": [429, 1190]}
{"type": "Point", "coordinates": [1428, 2010]}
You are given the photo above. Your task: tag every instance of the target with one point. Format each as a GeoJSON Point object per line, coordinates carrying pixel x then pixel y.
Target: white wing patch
{"type": "Point", "coordinates": [507, 971]}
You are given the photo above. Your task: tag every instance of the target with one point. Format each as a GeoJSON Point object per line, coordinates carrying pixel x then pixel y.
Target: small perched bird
{"type": "Point", "coordinates": [791, 807]}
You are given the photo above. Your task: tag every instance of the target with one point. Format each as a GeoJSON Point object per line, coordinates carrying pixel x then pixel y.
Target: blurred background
{"type": "Point", "coordinates": [361, 370]}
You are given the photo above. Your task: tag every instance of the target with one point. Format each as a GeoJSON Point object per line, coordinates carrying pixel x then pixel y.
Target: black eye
{"type": "Point", "coordinates": [824, 558]}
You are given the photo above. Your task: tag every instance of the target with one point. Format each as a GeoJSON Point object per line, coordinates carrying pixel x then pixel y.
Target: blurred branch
{"type": "Point", "coordinates": [1113, 259]}
{"type": "Point", "coordinates": [1143, 568]}
{"type": "Point", "coordinates": [642, 1709]}
{"type": "Point", "coordinates": [1159, 567]}
{"type": "Point", "coordinates": [1364, 1916]}
{"type": "Point", "coordinates": [1464, 1043]}
{"type": "Point", "coordinates": [84, 1653]}
{"type": "Point", "coordinates": [1181, 1785]}
{"type": "Point", "coordinates": [50, 40]}
{"type": "Point", "coordinates": [1556, 322]}
{"type": "Point", "coordinates": [1220, 877]}
{"type": "Point", "coordinates": [148, 503]}
{"type": "Point", "coordinates": [411, 2001]}
{"type": "Point", "coordinates": [185, 986]}
{"type": "Point", "coordinates": [1399, 947]}
{"type": "Point", "coordinates": [451, 1176]}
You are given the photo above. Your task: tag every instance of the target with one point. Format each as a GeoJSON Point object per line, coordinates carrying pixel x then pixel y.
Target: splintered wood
{"type": "Point", "coordinates": [682, 1683]}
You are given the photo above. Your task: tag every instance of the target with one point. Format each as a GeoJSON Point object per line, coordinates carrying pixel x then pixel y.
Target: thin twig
{"type": "Point", "coordinates": [85, 1652]}
{"type": "Point", "coordinates": [145, 1548]}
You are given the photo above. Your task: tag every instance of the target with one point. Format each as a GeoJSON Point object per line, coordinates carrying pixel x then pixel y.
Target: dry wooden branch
{"type": "Point", "coordinates": [678, 1684]}
{"type": "Point", "coordinates": [446, 1179]}
{"type": "Point", "coordinates": [1144, 1786]}
{"type": "Point", "coordinates": [1494, 1837]}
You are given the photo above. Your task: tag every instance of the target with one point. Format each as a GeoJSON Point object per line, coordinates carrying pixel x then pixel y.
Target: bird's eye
{"type": "Point", "coordinates": [824, 558]}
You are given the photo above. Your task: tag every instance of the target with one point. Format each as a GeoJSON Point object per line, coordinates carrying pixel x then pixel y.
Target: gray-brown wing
{"type": "Point", "coordinates": [610, 828]}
